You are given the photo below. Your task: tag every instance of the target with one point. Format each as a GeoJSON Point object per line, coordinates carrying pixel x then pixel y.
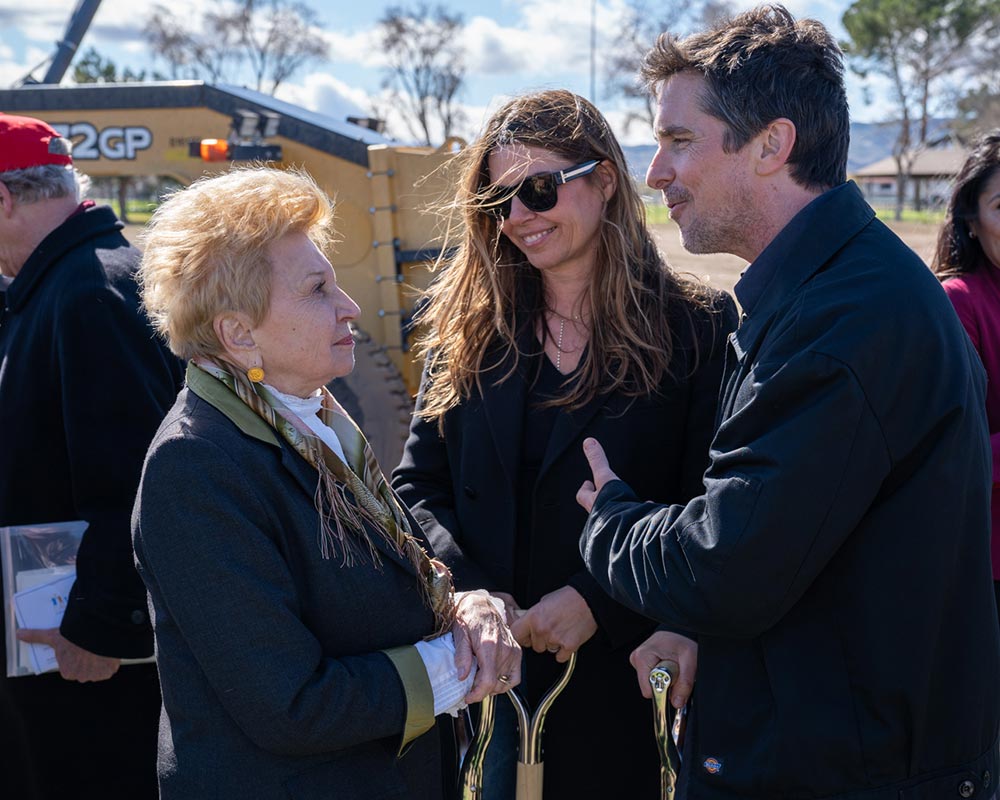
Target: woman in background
{"type": "Point", "coordinates": [967, 260]}
{"type": "Point", "coordinates": [305, 639]}
{"type": "Point", "coordinates": [556, 319]}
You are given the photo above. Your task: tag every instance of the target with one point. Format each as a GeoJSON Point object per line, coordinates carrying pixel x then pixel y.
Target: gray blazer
{"type": "Point", "coordinates": [274, 680]}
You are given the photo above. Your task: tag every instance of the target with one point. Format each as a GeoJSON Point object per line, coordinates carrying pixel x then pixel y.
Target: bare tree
{"type": "Point", "coordinates": [279, 37]}
{"type": "Point", "coordinates": [642, 24]}
{"type": "Point", "coordinates": [426, 67]}
{"type": "Point", "coordinates": [275, 37]}
{"type": "Point", "coordinates": [209, 50]}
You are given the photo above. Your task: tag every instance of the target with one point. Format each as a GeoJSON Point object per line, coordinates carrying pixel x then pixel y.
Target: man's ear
{"type": "Point", "coordinates": [235, 333]}
{"type": "Point", "coordinates": [6, 200]}
{"type": "Point", "coordinates": [774, 146]}
{"type": "Point", "coordinates": [607, 180]}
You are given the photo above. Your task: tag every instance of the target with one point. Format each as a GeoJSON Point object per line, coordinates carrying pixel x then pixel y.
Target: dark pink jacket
{"type": "Point", "coordinates": [976, 297]}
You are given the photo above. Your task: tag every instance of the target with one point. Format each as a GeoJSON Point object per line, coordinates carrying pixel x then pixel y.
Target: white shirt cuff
{"type": "Point", "coordinates": [439, 660]}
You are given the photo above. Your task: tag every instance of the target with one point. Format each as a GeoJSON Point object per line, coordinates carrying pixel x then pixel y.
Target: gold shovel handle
{"type": "Point", "coordinates": [470, 779]}
{"type": "Point", "coordinates": [665, 717]}
{"type": "Point", "coordinates": [529, 763]}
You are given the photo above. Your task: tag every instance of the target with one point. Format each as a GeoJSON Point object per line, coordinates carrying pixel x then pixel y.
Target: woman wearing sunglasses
{"type": "Point", "coordinates": [556, 319]}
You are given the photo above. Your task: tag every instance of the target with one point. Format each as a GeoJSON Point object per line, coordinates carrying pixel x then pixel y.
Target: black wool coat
{"type": "Point", "coordinates": [84, 383]}
{"type": "Point", "coordinates": [462, 487]}
{"type": "Point", "coordinates": [274, 683]}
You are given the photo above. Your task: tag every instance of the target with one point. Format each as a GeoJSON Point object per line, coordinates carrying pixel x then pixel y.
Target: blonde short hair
{"type": "Point", "coordinates": [205, 250]}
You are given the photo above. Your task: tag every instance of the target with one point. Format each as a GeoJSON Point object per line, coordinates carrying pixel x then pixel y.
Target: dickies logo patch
{"type": "Point", "coordinates": [712, 766]}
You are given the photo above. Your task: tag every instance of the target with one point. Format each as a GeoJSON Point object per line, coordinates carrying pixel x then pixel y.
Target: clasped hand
{"type": "Point", "coordinates": [559, 623]}
{"type": "Point", "coordinates": [75, 663]}
{"type": "Point", "coordinates": [480, 631]}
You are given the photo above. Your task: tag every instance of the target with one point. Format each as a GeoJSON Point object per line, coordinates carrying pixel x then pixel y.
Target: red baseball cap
{"type": "Point", "coordinates": [27, 142]}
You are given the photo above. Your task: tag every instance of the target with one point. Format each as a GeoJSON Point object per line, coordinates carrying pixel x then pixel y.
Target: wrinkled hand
{"type": "Point", "coordinates": [510, 606]}
{"type": "Point", "coordinates": [481, 631]}
{"type": "Point", "coordinates": [661, 646]}
{"type": "Point", "coordinates": [601, 471]}
{"type": "Point", "coordinates": [558, 623]}
{"type": "Point", "coordinates": [75, 663]}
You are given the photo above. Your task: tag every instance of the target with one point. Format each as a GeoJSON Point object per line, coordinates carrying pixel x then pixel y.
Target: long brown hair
{"type": "Point", "coordinates": [957, 251]}
{"type": "Point", "coordinates": [487, 292]}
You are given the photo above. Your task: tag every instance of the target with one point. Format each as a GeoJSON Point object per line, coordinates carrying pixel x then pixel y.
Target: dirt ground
{"type": "Point", "coordinates": [723, 271]}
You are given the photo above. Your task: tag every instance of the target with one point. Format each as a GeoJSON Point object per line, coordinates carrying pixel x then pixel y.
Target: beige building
{"type": "Point", "coordinates": [930, 178]}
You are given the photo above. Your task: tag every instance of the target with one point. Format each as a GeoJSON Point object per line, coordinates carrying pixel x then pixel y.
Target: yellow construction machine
{"type": "Point", "coordinates": [384, 191]}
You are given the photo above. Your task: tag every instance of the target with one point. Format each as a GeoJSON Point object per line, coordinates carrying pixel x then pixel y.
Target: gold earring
{"type": "Point", "coordinates": [255, 374]}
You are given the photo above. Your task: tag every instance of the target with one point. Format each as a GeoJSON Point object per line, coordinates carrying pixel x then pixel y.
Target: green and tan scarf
{"type": "Point", "coordinates": [352, 499]}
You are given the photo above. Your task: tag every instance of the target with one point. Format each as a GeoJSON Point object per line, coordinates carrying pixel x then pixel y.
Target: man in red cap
{"type": "Point", "coordinates": [83, 386]}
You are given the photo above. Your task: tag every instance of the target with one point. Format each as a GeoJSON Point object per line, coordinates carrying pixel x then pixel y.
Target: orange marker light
{"type": "Point", "coordinates": [214, 150]}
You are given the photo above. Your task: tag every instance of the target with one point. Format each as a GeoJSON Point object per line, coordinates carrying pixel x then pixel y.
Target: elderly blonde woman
{"type": "Point", "coordinates": [305, 638]}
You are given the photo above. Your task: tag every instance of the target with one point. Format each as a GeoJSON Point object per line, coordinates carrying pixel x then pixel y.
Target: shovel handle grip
{"type": "Point", "coordinates": [661, 678]}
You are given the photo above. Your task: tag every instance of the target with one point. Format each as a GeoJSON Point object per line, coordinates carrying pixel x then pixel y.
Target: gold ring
{"type": "Point", "coordinates": [503, 678]}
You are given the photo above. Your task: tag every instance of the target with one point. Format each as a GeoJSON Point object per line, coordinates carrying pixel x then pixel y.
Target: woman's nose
{"type": "Point", "coordinates": [518, 210]}
{"type": "Point", "coordinates": [348, 309]}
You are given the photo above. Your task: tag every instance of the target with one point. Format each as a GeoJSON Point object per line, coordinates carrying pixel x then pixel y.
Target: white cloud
{"type": "Point", "coordinates": [324, 93]}
{"type": "Point", "coordinates": [359, 47]}
{"type": "Point", "coordinates": [488, 48]}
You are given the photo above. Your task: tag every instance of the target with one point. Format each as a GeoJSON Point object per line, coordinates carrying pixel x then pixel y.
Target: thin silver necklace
{"type": "Point", "coordinates": [562, 329]}
{"type": "Point", "coordinates": [559, 340]}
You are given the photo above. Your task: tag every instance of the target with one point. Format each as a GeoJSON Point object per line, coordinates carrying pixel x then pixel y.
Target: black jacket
{"type": "Point", "coordinates": [83, 385]}
{"type": "Point", "coordinates": [463, 490]}
{"type": "Point", "coordinates": [837, 564]}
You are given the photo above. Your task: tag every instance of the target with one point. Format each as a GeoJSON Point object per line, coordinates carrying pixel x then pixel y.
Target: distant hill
{"type": "Point", "coordinates": [870, 142]}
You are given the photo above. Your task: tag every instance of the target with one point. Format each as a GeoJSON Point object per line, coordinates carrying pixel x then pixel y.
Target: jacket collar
{"type": "Point", "coordinates": [79, 228]}
{"type": "Point", "coordinates": [798, 252]}
{"type": "Point", "coordinates": [505, 408]}
{"type": "Point", "coordinates": [568, 427]}
{"type": "Point", "coordinates": [217, 394]}
{"type": "Point", "coordinates": [503, 402]}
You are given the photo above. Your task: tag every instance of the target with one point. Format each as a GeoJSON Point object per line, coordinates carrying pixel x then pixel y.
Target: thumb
{"type": "Point", "coordinates": [598, 463]}
{"type": "Point", "coordinates": [463, 652]}
{"type": "Point", "coordinates": [37, 635]}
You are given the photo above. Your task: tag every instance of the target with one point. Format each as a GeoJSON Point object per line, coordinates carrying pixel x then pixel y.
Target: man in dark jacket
{"type": "Point", "coordinates": [836, 568]}
{"type": "Point", "coordinates": [83, 386]}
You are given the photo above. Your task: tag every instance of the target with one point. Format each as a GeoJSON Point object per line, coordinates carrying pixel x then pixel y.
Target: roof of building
{"type": "Point", "coordinates": [935, 162]}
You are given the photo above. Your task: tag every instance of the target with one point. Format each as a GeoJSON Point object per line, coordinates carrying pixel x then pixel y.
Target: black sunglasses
{"type": "Point", "coordinates": [537, 192]}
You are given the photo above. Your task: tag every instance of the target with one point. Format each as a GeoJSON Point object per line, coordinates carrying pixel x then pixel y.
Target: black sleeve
{"type": "Point", "coordinates": [423, 480]}
{"type": "Point", "coordinates": [117, 384]}
{"type": "Point", "coordinates": [792, 472]}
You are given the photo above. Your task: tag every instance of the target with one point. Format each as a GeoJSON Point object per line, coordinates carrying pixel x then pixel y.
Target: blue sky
{"type": "Point", "coordinates": [512, 46]}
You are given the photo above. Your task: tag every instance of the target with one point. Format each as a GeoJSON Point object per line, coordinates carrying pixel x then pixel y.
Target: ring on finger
{"type": "Point", "coordinates": [503, 678]}
{"type": "Point", "coordinates": [553, 648]}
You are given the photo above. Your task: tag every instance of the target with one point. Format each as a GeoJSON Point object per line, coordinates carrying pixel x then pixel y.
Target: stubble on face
{"type": "Point", "coordinates": [724, 231]}
{"type": "Point", "coordinates": [716, 211]}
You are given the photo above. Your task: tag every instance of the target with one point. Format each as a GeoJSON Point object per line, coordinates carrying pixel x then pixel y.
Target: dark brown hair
{"type": "Point", "coordinates": [957, 252]}
{"type": "Point", "coordinates": [758, 67]}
